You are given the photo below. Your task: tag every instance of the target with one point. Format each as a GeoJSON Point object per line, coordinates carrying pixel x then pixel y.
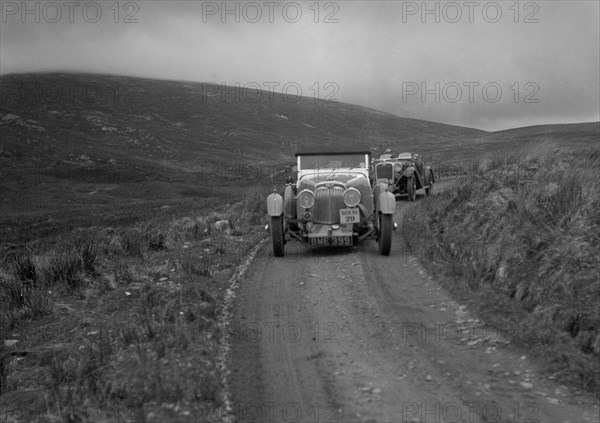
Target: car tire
{"type": "Point", "coordinates": [429, 189]}
{"type": "Point", "coordinates": [386, 227]}
{"type": "Point", "coordinates": [411, 188]}
{"type": "Point", "coordinates": [277, 235]}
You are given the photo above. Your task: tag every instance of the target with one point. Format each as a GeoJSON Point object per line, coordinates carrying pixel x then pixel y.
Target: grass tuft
{"type": "Point", "coordinates": [131, 316]}
{"type": "Point", "coordinates": [155, 235]}
{"type": "Point", "coordinates": [521, 239]}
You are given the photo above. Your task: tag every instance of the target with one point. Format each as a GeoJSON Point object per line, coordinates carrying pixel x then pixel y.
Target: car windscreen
{"type": "Point", "coordinates": [332, 161]}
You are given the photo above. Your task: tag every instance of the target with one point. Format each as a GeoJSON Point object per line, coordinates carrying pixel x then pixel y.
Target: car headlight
{"type": "Point", "coordinates": [398, 167]}
{"type": "Point", "coordinates": [306, 199]}
{"type": "Point", "coordinates": [351, 197]}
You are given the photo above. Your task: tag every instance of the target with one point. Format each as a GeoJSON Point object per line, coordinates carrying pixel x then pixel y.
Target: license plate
{"type": "Point", "coordinates": [339, 241]}
{"type": "Point", "coordinates": [349, 215]}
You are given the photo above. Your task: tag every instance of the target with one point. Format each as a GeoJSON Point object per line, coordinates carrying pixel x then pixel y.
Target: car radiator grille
{"type": "Point", "coordinates": [328, 202]}
{"type": "Point", "coordinates": [385, 171]}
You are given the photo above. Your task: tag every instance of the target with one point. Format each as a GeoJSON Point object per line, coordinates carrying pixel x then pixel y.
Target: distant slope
{"type": "Point", "coordinates": [93, 145]}
{"type": "Point", "coordinates": [82, 149]}
{"type": "Point", "coordinates": [589, 129]}
{"type": "Point", "coordinates": [183, 124]}
{"type": "Point", "coordinates": [571, 136]}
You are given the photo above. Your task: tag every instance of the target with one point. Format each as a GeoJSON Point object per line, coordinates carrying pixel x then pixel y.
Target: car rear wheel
{"type": "Point", "coordinates": [386, 226]}
{"type": "Point", "coordinates": [429, 188]}
{"type": "Point", "coordinates": [277, 235]}
{"type": "Point", "coordinates": [411, 188]}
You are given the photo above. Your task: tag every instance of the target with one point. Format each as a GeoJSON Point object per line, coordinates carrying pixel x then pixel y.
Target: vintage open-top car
{"type": "Point", "coordinates": [403, 175]}
{"type": "Point", "coordinates": [332, 203]}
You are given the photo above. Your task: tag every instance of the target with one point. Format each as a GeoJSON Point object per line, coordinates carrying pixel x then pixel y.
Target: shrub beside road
{"type": "Point", "coordinates": [519, 239]}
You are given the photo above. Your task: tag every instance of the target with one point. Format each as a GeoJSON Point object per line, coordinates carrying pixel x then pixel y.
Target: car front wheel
{"type": "Point", "coordinates": [386, 226]}
{"type": "Point", "coordinates": [411, 188]}
{"type": "Point", "coordinates": [277, 235]}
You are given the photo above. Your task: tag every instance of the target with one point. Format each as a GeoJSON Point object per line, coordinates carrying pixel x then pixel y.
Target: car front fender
{"type": "Point", "coordinates": [386, 203]}
{"type": "Point", "coordinates": [274, 205]}
{"type": "Point", "coordinates": [289, 202]}
{"type": "Point", "coordinates": [429, 172]}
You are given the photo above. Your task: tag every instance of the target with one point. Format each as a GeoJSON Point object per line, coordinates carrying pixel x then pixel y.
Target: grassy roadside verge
{"type": "Point", "coordinates": [519, 239]}
{"type": "Point", "coordinates": [120, 324]}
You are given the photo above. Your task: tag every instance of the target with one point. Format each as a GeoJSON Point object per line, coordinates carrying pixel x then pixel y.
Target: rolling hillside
{"type": "Point", "coordinates": [80, 148]}
{"type": "Point", "coordinates": [571, 136]}
{"type": "Point", "coordinates": [181, 124]}
{"type": "Point", "coordinates": [113, 148]}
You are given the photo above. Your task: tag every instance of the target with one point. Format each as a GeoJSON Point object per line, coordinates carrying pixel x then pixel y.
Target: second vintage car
{"type": "Point", "coordinates": [332, 203]}
{"type": "Point", "coordinates": [403, 175]}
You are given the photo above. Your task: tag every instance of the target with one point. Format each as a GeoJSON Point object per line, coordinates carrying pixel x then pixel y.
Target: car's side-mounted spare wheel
{"type": "Point", "coordinates": [386, 226]}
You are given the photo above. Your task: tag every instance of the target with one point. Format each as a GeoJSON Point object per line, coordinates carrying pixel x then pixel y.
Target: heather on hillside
{"type": "Point", "coordinates": [121, 323]}
{"type": "Point", "coordinates": [520, 237]}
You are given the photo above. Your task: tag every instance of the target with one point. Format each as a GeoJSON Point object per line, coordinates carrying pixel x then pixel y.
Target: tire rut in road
{"type": "Point", "coordinates": [348, 335]}
{"type": "Point", "coordinates": [278, 374]}
{"type": "Point", "coordinates": [316, 344]}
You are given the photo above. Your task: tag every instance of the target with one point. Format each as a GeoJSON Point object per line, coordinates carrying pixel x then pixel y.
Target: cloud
{"type": "Point", "coordinates": [371, 54]}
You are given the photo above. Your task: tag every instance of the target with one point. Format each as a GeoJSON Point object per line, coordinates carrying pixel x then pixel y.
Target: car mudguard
{"type": "Point", "coordinates": [413, 171]}
{"type": "Point", "coordinates": [289, 202]}
{"type": "Point", "coordinates": [409, 172]}
{"type": "Point", "coordinates": [385, 200]}
{"type": "Point", "coordinates": [378, 189]}
{"type": "Point", "coordinates": [386, 203]}
{"type": "Point", "coordinates": [274, 205]}
{"type": "Point", "coordinates": [429, 172]}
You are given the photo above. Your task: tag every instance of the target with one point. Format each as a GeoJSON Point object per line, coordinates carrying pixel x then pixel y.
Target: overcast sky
{"type": "Point", "coordinates": [488, 65]}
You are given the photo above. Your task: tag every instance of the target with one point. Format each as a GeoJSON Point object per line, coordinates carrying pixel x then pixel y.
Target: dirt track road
{"type": "Point", "coordinates": [336, 335]}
